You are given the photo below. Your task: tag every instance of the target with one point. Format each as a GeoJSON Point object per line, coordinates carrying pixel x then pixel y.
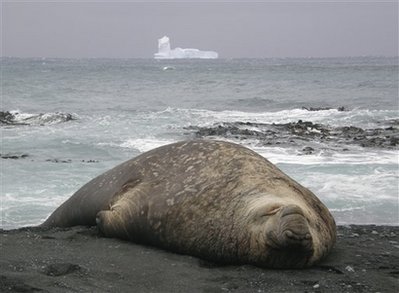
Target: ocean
{"type": "Point", "coordinates": [332, 124]}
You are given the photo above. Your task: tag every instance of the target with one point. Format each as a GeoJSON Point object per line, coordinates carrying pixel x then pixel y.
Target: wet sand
{"type": "Point", "coordinates": [364, 259]}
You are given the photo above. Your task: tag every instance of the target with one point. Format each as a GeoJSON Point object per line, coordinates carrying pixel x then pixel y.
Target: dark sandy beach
{"type": "Point", "coordinates": [364, 259]}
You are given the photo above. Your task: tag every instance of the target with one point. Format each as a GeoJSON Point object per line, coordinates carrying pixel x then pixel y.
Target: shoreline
{"type": "Point", "coordinates": [365, 258]}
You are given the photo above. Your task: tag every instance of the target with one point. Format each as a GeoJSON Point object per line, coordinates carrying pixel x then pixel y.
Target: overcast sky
{"type": "Point", "coordinates": [234, 29]}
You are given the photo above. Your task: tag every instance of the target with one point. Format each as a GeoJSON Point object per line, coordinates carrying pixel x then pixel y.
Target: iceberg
{"type": "Point", "coordinates": [164, 52]}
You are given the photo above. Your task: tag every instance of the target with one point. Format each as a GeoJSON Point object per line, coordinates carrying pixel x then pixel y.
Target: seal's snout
{"type": "Point", "coordinates": [294, 228]}
{"type": "Point", "coordinates": [301, 241]}
{"type": "Point", "coordinates": [295, 236]}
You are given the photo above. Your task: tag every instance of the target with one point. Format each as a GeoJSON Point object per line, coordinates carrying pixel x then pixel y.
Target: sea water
{"type": "Point", "coordinates": [123, 107]}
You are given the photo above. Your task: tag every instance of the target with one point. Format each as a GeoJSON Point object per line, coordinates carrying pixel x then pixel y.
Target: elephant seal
{"type": "Point", "coordinates": [215, 200]}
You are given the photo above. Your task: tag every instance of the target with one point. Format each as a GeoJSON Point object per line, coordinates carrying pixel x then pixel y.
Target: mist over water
{"type": "Point", "coordinates": [75, 119]}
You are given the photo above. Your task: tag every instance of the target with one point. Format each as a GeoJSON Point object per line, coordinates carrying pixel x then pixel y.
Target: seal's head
{"type": "Point", "coordinates": [285, 235]}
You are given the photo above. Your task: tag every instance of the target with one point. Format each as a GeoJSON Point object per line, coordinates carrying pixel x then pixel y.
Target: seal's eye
{"type": "Point", "coordinates": [270, 210]}
{"type": "Point", "coordinates": [273, 210]}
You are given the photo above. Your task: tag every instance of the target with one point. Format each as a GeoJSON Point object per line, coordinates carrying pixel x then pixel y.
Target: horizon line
{"type": "Point", "coordinates": [220, 58]}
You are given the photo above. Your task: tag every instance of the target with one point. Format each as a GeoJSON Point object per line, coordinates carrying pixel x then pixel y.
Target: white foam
{"type": "Point", "coordinates": [367, 187]}
{"type": "Point", "coordinates": [145, 144]}
{"type": "Point", "coordinates": [279, 155]}
{"type": "Point", "coordinates": [359, 118]}
{"type": "Point", "coordinates": [42, 197]}
{"type": "Point", "coordinates": [360, 208]}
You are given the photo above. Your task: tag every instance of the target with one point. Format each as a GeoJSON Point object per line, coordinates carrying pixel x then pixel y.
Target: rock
{"type": "Point", "coordinates": [307, 150]}
{"type": "Point", "coordinates": [349, 269]}
{"type": "Point", "coordinates": [6, 117]}
{"type": "Point", "coordinates": [295, 133]}
{"type": "Point", "coordinates": [16, 119]}
{"type": "Point", "coordinates": [59, 161]}
{"type": "Point", "coordinates": [13, 156]}
{"type": "Point", "coordinates": [90, 161]}
{"type": "Point", "coordinates": [60, 269]}
{"type": "Point", "coordinates": [323, 108]}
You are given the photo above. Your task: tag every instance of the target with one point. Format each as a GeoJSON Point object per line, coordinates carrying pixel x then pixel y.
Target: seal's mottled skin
{"type": "Point", "coordinates": [211, 199]}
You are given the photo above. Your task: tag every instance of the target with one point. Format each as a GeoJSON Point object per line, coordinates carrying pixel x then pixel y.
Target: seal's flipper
{"type": "Point", "coordinates": [124, 211]}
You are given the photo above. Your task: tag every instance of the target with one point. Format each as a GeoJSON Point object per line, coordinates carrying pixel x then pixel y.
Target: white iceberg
{"type": "Point", "coordinates": [164, 52]}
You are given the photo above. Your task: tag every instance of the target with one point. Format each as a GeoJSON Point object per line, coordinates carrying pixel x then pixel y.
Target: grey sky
{"type": "Point", "coordinates": [234, 29]}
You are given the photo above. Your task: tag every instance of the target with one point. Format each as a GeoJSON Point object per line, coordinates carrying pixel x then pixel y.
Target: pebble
{"type": "Point", "coordinates": [316, 286]}
{"type": "Point", "coordinates": [349, 269]}
{"type": "Point", "coordinates": [374, 232]}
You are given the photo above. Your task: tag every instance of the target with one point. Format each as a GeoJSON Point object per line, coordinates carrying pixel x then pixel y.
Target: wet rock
{"type": "Point", "coordinates": [90, 161]}
{"type": "Point", "coordinates": [17, 119]}
{"type": "Point", "coordinates": [6, 117]}
{"type": "Point", "coordinates": [59, 161]}
{"type": "Point", "coordinates": [14, 156]}
{"type": "Point", "coordinates": [323, 108]}
{"type": "Point", "coordinates": [307, 150]}
{"type": "Point", "coordinates": [65, 161]}
{"type": "Point", "coordinates": [9, 118]}
{"type": "Point", "coordinates": [296, 133]}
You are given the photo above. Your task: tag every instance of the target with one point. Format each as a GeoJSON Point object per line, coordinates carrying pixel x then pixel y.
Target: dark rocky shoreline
{"type": "Point", "coordinates": [364, 259]}
{"type": "Point", "coordinates": [304, 132]}
{"type": "Point", "coordinates": [17, 156]}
